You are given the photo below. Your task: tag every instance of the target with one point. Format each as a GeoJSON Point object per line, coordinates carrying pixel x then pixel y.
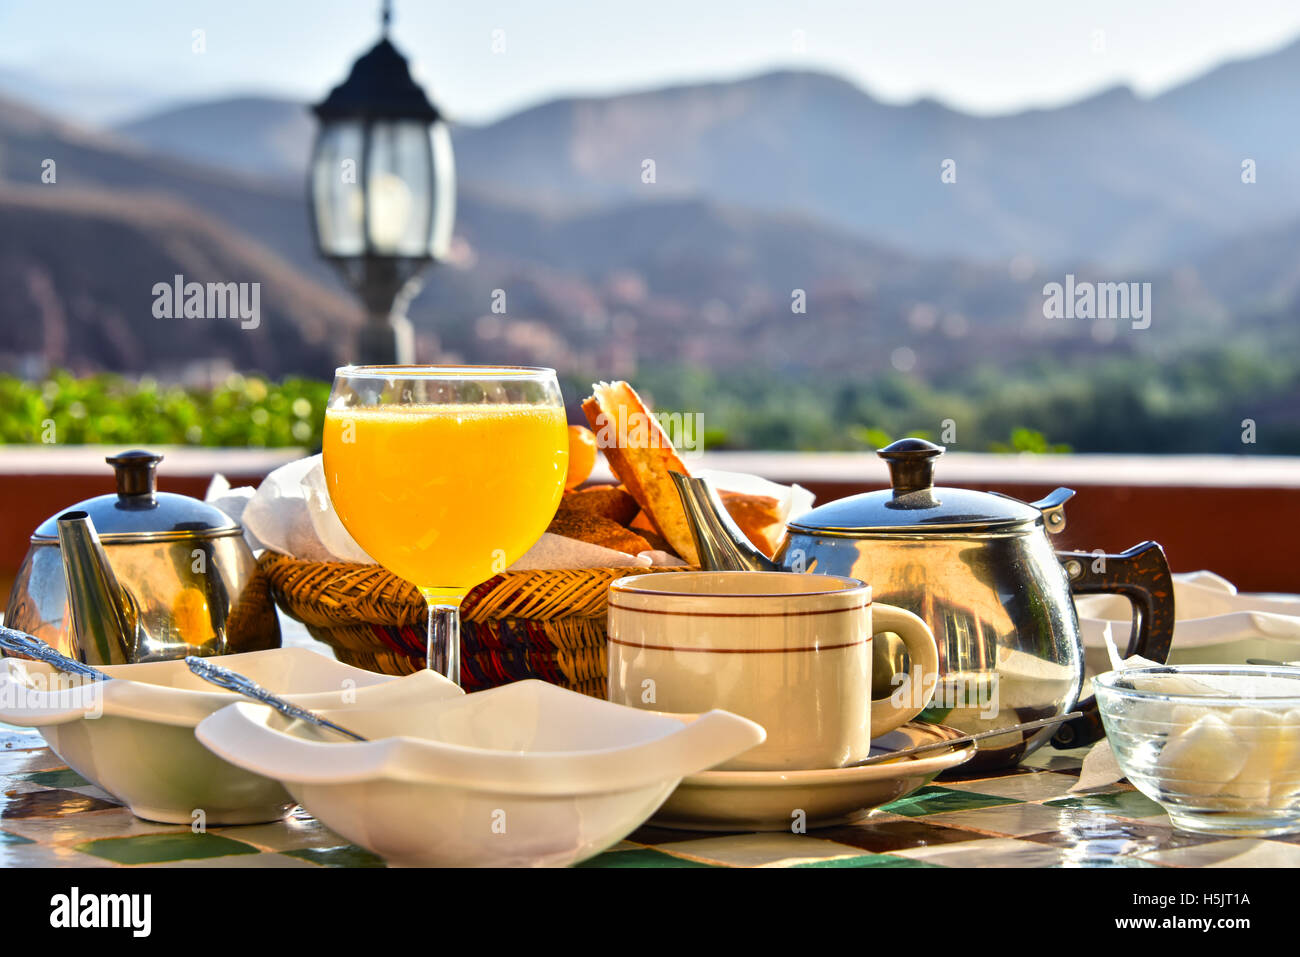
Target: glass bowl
{"type": "Point", "coordinates": [1217, 746]}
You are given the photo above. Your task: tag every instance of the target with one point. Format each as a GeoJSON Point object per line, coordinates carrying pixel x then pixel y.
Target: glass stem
{"type": "Point", "coordinates": [444, 640]}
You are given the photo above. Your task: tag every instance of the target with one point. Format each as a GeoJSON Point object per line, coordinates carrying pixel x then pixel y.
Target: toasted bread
{"type": "Point", "coordinates": [604, 501]}
{"type": "Point", "coordinates": [643, 527]}
{"type": "Point", "coordinates": [758, 516]}
{"type": "Point", "coordinates": [656, 541]}
{"type": "Point", "coordinates": [642, 523]}
{"type": "Point", "coordinates": [599, 531]}
{"type": "Point", "coordinates": [641, 455]}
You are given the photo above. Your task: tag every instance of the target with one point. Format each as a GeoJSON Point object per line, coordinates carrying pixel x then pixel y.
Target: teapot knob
{"type": "Point", "coordinates": [135, 473]}
{"type": "Point", "coordinates": [911, 464]}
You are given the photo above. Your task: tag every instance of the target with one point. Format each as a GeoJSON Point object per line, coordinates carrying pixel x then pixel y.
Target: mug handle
{"type": "Point", "coordinates": [921, 649]}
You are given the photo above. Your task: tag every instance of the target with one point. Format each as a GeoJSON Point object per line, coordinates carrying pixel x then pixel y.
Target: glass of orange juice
{"type": "Point", "coordinates": [445, 475]}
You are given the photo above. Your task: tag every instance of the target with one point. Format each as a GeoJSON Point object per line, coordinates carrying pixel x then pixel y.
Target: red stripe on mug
{"type": "Point", "coordinates": [738, 614]}
{"type": "Point", "coordinates": [742, 651]}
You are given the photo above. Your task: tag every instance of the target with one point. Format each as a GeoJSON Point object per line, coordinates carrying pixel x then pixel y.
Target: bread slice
{"type": "Point", "coordinates": [605, 501]}
{"type": "Point", "coordinates": [640, 453]}
{"type": "Point", "coordinates": [758, 516]}
{"type": "Point", "coordinates": [596, 530]}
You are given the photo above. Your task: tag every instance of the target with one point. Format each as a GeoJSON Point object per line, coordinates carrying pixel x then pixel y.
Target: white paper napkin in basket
{"type": "Point", "coordinates": [291, 513]}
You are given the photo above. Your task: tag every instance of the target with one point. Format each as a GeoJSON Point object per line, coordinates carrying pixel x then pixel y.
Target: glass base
{"type": "Point", "coordinates": [1234, 823]}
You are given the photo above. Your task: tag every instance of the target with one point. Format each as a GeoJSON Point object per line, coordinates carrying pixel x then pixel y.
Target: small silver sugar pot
{"type": "Point", "coordinates": [980, 569]}
{"type": "Point", "coordinates": [142, 575]}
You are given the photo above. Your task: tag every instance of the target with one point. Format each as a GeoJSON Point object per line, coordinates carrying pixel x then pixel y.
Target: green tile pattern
{"type": "Point", "coordinates": [345, 855]}
{"type": "Point", "coordinates": [1122, 803]}
{"type": "Point", "coordinates": [158, 848]}
{"type": "Point", "coordinates": [62, 778]}
{"type": "Point", "coordinates": [936, 800]}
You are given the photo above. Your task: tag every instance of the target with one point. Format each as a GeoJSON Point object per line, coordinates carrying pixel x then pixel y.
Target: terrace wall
{"type": "Point", "coordinates": [1238, 516]}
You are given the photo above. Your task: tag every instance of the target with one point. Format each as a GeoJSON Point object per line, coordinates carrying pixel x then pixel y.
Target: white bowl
{"type": "Point", "coordinates": [134, 736]}
{"type": "Point", "coordinates": [525, 774]}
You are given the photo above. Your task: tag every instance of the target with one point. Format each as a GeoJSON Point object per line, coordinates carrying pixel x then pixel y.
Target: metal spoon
{"type": "Point", "coordinates": [234, 681]}
{"type": "Point", "coordinates": [940, 745]}
{"type": "Point", "coordinates": [22, 643]}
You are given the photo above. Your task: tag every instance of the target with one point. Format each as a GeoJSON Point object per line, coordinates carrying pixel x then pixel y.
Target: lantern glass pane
{"type": "Point", "coordinates": [336, 188]}
{"type": "Point", "coordinates": [444, 191]}
{"type": "Point", "coordinates": [399, 188]}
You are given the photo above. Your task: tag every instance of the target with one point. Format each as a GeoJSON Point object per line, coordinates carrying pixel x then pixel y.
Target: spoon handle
{"type": "Point", "coordinates": [22, 643]}
{"type": "Point", "coordinates": [233, 681]}
{"type": "Point", "coordinates": [964, 739]}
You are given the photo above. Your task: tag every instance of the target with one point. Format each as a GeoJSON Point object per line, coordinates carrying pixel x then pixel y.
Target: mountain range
{"type": "Point", "coordinates": [1113, 178]}
{"type": "Point", "coordinates": [765, 189]}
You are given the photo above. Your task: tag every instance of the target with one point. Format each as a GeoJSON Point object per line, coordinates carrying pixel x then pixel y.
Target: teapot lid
{"type": "Point", "coordinates": [914, 505]}
{"type": "Point", "coordinates": [138, 512]}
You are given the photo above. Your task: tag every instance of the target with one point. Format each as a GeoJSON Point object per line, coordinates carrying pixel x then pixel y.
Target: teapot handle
{"type": "Point", "coordinates": [1141, 575]}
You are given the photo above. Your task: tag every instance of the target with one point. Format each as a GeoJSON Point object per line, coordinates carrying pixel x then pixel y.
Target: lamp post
{"type": "Point", "coordinates": [383, 192]}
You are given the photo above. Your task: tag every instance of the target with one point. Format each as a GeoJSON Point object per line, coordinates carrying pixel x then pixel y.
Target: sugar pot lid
{"type": "Point", "coordinates": [915, 505]}
{"type": "Point", "coordinates": [138, 512]}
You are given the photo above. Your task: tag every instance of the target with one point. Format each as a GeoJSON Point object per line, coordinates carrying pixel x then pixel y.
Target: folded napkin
{"type": "Point", "coordinates": [1200, 594]}
{"type": "Point", "coordinates": [1100, 769]}
{"type": "Point", "coordinates": [291, 513]}
{"type": "Point", "coordinates": [1215, 623]}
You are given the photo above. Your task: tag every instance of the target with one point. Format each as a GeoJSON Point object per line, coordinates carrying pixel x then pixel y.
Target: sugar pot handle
{"type": "Point", "coordinates": [1141, 575]}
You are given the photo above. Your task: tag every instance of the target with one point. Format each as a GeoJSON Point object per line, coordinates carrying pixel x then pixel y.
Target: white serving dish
{"type": "Point", "coordinates": [133, 736]}
{"type": "Point", "coordinates": [528, 774]}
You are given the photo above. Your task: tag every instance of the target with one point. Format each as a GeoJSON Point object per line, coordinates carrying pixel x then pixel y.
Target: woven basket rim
{"type": "Point", "coordinates": [337, 594]}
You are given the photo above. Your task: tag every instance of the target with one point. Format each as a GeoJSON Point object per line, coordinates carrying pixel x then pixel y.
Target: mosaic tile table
{"type": "Point", "coordinates": [50, 816]}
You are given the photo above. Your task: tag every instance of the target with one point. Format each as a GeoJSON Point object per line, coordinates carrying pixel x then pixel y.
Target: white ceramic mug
{"type": "Point", "coordinates": [790, 651]}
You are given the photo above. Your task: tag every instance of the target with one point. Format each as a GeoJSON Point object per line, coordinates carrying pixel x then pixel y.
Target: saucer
{"type": "Point", "coordinates": [769, 800]}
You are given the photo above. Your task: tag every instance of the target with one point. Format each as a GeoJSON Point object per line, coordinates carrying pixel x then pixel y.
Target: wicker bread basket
{"type": "Point", "coordinates": [525, 624]}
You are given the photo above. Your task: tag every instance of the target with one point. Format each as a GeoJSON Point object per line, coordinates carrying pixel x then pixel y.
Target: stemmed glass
{"type": "Point", "coordinates": [445, 475]}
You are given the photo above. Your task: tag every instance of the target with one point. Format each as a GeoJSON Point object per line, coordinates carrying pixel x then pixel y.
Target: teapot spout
{"type": "Point", "coordinates": [721, 545]}
{"type": "Point", "coordinates": [104, 621]}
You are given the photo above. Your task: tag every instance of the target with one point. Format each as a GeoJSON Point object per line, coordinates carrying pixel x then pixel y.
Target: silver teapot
{"type": "Point", "coordinates": [979, 568]}
{"type": "Point", "coordinates": [142, 575]}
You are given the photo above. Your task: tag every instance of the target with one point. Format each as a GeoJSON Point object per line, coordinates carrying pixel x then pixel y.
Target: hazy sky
{"type": "Point", "coordinates": [980, 55]}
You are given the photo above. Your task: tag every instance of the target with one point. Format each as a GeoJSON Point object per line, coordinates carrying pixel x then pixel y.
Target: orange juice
{"type": "Point", "coordinates": [446, 496]}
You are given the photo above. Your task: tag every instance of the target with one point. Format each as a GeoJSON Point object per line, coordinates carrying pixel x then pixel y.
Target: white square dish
{"type": "Point", "coordinates": [525, 774]}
